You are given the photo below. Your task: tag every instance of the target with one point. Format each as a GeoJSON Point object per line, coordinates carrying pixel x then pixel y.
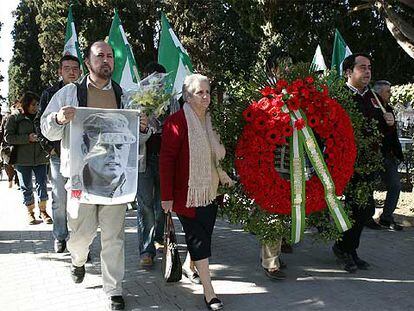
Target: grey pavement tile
{"type": "Point", "coordinates": [314, 281]}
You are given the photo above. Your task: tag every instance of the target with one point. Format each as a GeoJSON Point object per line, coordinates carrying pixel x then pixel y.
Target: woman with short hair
{"type": "Point", "coordinates": [190, 175]}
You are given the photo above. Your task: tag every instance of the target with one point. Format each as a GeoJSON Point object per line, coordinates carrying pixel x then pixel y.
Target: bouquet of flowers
{"type": "Point", "coordinates": [151, 97]}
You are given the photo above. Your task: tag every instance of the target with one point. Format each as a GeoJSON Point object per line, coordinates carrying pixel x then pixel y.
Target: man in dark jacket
{"type": "Point", "coordinates": [357, 68]}
{"type": "Point", "coordinates": [69, 71]}
{"type": "Point", "coordinates": [392, 156]}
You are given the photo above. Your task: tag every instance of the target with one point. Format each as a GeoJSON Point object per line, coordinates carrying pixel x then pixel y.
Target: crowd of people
{"type": "Point", "coordinates": [179, 171]}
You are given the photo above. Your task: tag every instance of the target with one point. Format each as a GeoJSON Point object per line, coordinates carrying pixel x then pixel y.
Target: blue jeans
{"type": "Point", "coordinates": [150, 216]}
{"type": "Point", "coordinates": [392, 182]}
{"type": "Point", "coordinates": [24, 174]}
{"type": "Point", "coordinates": [59, 200]}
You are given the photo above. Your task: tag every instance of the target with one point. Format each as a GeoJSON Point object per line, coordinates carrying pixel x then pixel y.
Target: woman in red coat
{"type": "Point", "coordinates": [190, 174]}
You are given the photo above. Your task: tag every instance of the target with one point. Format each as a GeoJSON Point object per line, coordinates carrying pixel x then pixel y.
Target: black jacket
{"type": "Point", "coordinates": [45, 98]}
{"type": "Point", "coordinates": [391, 146]}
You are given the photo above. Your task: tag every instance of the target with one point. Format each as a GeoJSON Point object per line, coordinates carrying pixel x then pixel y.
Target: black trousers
{"type": "Point", "coordinates": [360, 215]}
{"type": "Point", "coordinates": [198, 231]}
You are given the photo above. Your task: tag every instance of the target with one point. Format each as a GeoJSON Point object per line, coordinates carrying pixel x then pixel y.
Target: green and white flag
{"type": "Point", "coordinates": [340, 52]}
{"type": "Point", "coordinates": [173, 56]}
{"type": "Point", "coordinates": [125, 71]}
{"type": "Point", "coordinates": [71, 41]}
{"type": "Point", "coordinates": [318, 63]}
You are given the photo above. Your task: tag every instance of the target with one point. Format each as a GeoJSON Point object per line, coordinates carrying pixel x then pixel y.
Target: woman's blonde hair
{"type": "Point", "coordinates": [190, 82]}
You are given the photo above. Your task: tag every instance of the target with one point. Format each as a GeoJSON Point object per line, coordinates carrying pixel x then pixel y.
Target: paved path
{"type": "Point", "coordinates": [33, 277]}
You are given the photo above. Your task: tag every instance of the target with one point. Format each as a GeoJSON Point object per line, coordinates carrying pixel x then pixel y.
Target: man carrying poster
{"type": "Point", "coordinates": [96, 90]}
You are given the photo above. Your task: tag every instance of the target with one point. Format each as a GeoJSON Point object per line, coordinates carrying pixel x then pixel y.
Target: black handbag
{"type": "Point", "coordinates": [171, 263]}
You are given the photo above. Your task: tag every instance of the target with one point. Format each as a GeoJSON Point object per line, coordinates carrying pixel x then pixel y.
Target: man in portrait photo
{"type": "Point", "coordinates": [105, 148]}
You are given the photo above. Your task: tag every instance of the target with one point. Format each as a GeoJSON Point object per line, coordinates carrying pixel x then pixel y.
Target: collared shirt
{"type": "Point", "coordinates": [356, 91]}
{"type": "Point", "coordinates": [107, 87]}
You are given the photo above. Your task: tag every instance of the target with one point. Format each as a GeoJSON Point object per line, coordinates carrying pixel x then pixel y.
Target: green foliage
{"type": "Point", "coordinates": [402, 94]}
{"type": "Point", "coordinates": [24, 68]}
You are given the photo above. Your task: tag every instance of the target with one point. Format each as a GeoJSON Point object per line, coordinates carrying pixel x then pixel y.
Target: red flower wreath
{"type": "Point", "coordinates": [268, 127]}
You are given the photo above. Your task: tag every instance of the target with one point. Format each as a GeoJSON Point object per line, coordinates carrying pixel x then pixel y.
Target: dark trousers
{"type": "Point", "coordinates": [198, 231]}
{"type": "Point", "coordinates": [391, 179]}
{"type": "Point", "coordinates": [360, 215]}
{"type": "Point", "coordinates": [150, 216]}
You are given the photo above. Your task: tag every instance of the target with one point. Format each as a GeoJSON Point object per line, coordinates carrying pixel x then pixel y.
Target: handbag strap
{"type": "Point", "coordinates": [169, 225]}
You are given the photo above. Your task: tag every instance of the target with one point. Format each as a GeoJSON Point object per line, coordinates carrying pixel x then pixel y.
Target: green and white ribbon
{"type": "Point", "coordinates": [304, 141]}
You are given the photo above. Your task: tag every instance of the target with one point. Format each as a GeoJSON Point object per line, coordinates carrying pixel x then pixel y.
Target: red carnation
{"type": "Point", "coordinates": [309, 80]}
{"type": "Point", "coordinates": [260, 123]}
{"type": "Point", "coordinates": [272, 137]}
{"type": "Point", "coordinates": [293, 103]}
{"type": "Point", "coordinates": [300, 124]}
{"type": "Point", "coordinates": [282, 84]}
{"type": "Point", "coordinates": [313, 121]}
{"type": "Point", "coordinates": [248, 114]}
{"type": "Point", "coordinates": [285, 118]}
{"type": "Point", "coordinates": [266, 91]}
{"type": "Point", "coordinates": [287, 130]}
{"type": "Point", "coordinates": [277, 102]}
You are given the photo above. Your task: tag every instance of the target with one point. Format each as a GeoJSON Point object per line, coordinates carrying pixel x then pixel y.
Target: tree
{"type": "Point", "coordinates": [1, 76]}
{"type": "Point", "coordinates": [299, 26]}
{"type": "Point", "coordinates": [24, 68]}
{"type": "Point", "coordinates": [211, 33]}
{"type": "Point", "coordinates": [51, 20]}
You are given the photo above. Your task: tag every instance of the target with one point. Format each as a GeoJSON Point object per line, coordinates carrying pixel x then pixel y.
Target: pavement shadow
{"type": "Point", "coordinates": [314, 281]}
{"type": "Point", "coordinates": [15, 242]}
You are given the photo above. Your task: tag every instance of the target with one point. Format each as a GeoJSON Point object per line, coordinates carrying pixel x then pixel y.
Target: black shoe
{"type": "Point", "coordinates": [60, 246]}
{"type": "Point", "coordinates": [344, 259]}
{"type": "Point", "coordinates": [275, 275]}
{"type": "Point", "coordinates": [361, 264]}
{"type": "Point", "coordinates": [77, 273]}
{"type": "Point", "coordinates": [214, 304]}
{"type": "Point", "coordinates": [117, 303]}
{"type": "Point", "coordinates": [391, 225]}
{"type": "Point", "coordinates": [348, 264]}
{"type": "Point", "coordinates": [192, 276]}
{"type": "Point", "coordinates": [372, 224]}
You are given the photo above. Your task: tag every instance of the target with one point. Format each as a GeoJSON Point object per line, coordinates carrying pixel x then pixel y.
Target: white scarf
{"type": "Point", "coordinates": [204, 145]}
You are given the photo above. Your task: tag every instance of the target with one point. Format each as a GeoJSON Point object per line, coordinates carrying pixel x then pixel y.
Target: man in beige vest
{"type": "Point", "coordinates": [99, 91]}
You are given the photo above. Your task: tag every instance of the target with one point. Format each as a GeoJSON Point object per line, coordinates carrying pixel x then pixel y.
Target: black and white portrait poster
{"type": "Point", "coordinates": [104, 157]}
